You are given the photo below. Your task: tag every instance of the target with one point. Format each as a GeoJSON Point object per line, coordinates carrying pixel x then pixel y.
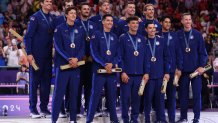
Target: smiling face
{"type": "Point", "coordinates": [71, 15]}
{"type": "Point", "coordinates": [166, 24]}
{"type": "Point", "coordinates": [133, 25]}
{"type": "Point", "coordinates": [149, 11]}
{"type": "Point", "coordinates": [151, 30]}
{"type": "Point", "coordinates": [187, 21]}
{"type": "Point", "coordinates": [46, 5]}
{"type": "Point", "coordinates": [108, 22]}
{"type": "Point", "coordinates": [105, 8]}
{"type": "Point", "coordinates": [130, 9]}
{"type": "Point", "coordinates": [85, 11]}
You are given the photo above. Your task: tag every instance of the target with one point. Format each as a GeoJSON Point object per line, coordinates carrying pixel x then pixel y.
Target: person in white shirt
{"type": "Point", "coordinates": [13, 56]}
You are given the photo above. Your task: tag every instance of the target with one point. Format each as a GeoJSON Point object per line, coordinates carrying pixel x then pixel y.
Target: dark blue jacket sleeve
{"type": "Point", "coordinates": [117, 55]}
{"type": "Point", "coordinates": [147, 61]}
{"type": "Point", "coordinates": [122, 50]}
{"type": "Point", "coordinates": [81, 52]}
{"type": "Point", "coordinates": [202, 51]}
{"type": "Point", "coordinates": [167, 59]}
{"type": "Point", "coordinates": [59, 45]}
{"type": "Point", "coordinates": [179, 56]}
{"type": "Point", "coordinates": [94, 47]}
{"type": "Point", "coordinates": [32, 27]}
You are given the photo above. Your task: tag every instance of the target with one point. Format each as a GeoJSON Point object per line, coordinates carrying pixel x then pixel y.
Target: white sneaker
{"type": "Point", "coordinates": [85, 113]}
{"type": "Point", "coordinates": [34, 115]}
{"type": "Point", "coordinates": [46, 114]}
{"type": "Point", "coordinates": [98, 114]}
{"type": "Point", "coordinates": [61, 115]}
{"type": "Point", "coordinates": [79, 116]}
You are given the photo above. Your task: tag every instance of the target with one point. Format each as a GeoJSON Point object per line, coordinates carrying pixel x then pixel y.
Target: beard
{"type": "Point", "coordinates": [85, 16]}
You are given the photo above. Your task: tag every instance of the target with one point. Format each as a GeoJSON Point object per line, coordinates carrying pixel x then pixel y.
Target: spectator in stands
{"type": "Point", "coordinates": [13, 55]}
{"type": "Point", "coordinates": [208, 44]}
{"type": "Point", "coordinates": [22, 80]}
{"type": "Point", "coordinates": [206, 80]}
{"type": "Point", "coordinates": [2, 54]}
{"type": "Point", "coordinates": [8, 42]}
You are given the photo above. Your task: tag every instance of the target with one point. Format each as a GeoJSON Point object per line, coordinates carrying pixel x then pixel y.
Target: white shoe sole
{"type": "Point", "coordinates": [45, 116]}
{"type": "Point", "coordinates": [35, 116]}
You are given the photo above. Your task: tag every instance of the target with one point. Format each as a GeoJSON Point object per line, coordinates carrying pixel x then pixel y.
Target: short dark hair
{"type": "Point", "coordinates": [106, 15]}
{"type": "Point", "coordinates": [164, 17]}
{"type": "Point", "coordinates": [147, 23]}
{"type": "Point", "coordinates": [133, 18]}
{"type": "Point", "coordinates": [83, 4]}
{"type": "Point", "coordinates": [69, 9]}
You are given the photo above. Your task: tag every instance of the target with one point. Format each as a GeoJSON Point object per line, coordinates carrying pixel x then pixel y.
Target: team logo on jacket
{"type": "Point", "coordinates": [112, 38]}
{"type": "Point", "coordinates": [90, 26]}
{"type": "Point", "coordinates": [93, 37]}
{"type": "Point", "coordinates": [139, 40]}
{"type": "Point", "coordinates": [157, 43]}
{"type": "Point", "coordinates": [191, 37]}
{"type": "Point", "coordinates": [32, 18]}
{"type": "Point", "coordinates": [55, 30]}
{"type": "Point", "coordinates": [155, 25]}
{"type": "Point", "coordinates": [170, 37]}
{"type": "Point", "coordinates": [76, 31]}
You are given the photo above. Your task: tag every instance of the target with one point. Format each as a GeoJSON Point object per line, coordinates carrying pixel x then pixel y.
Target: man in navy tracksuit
{"type": "Point", "coordinates": [171, 39]}
{"type": "Point", "coordinates": [69, 44]}
{"type": "Point", "coordinates": [38, 40]}
{"type": "Point", "coordinates": [148, 12]}
{"type": "Point", "coordinates": [86, 70]}
{"type": "Point", "coordinates": [104, 7]}
{"type": "Point", "coordinates": [122, 24]}
{"type": "Point", "coordinates": [62, 19]}
{"type": "Point", "coordinates": [57, 21]}
{"type": "Point", "coordinates": [105, 52]}
{"type": "Point", "coordinates": [135, 65]}
{"type": "Point", "coordinates": [194, 59]}
{"type": "Point", "coordinates": [160, 65]}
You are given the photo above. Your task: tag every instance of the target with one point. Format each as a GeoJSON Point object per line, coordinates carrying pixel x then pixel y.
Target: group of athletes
{"type": "Point", "coordinates": [144, 48]}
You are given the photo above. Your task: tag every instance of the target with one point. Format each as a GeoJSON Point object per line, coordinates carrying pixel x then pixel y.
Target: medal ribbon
{"type": "Point", "coordinates": [189, 37]}
{"type": "Point", "coordinates": [108, 41]}
{"type": "Point", "coordinates": [168, 40]}
{"type": "Point", "coordinates": [46, 19]}
{"type": "Point", "coordinates": [86, 29]}
{"type": "Point", "coordinates": [154, 47]}
{"type": "Point", "coordinates": [135, 46]}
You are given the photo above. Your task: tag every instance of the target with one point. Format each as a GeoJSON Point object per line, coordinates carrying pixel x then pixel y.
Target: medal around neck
{"type": "Point", "coordinates": [136, 53]}
{"type": "Point", "coordinates": [153, 59]}
{"type": "Point", "coordinates": [87, 38]}
{"type": "Point", "coordinates": [108, 52]}
{"type": "Point", "coordinates": [72, 45]}
{"type": "Point", "coordinates": [187, 49]}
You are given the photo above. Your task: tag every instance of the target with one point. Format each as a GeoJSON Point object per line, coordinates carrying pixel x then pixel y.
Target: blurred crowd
{"type": "Point", "coordinates": [15, 14]}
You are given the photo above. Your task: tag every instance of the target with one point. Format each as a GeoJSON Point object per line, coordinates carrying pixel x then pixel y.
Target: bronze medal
{"type": "Point", "coordinates": [108, 52]}
{"type": "Point", "coordinates": [153, 59]}
{"type": "Point", "coordinates": [72, 45]}
{"type": "Point", "coordinates": [187, 49]}
{"type": "Point", "coordinates": [136, 53]}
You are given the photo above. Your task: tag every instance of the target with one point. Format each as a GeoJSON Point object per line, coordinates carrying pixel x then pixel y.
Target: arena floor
{"type": "Point", "coordinates": [208, 116]}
